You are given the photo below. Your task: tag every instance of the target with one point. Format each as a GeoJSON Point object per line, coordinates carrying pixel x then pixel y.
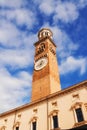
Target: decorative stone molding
{"type": "Point", "coordinates": [5, 120]}
{"type": "Point", "coordinates": [75, 97]}
{"type": "Point", "coordinates": [85, 106]}
{"type": "Point", "coordinates": [80, 123]}
{"type": "Point", "coordinates": [35, 110]}
{"type": "Point", "coordinates": [16, 124]}
{"type": "Point", "coordinates": [19, 115]}
{"type": "Point", "coordinates": [54, 112]}
{"type": "Point", "coordinates": [54, 103]}
{"type": "Point", "coordinates": [76, 105]}
{"type": "Point", "coordinates": [3, 127]}
{"type": "Point", "coordinates": [33, 119]}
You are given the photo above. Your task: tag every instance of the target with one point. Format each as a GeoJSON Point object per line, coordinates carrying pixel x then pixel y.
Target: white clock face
{"type": "Point", "coordinates": [40, 63]}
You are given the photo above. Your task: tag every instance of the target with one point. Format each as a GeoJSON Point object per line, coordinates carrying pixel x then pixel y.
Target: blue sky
{"type": "Point", "coordinates": [20, 21]}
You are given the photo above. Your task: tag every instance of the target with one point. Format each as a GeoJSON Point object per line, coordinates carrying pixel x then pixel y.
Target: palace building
{"type": "Point", "coordinates": [51, 108]}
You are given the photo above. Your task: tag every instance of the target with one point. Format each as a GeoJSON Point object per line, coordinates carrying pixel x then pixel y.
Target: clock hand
{"type": "Point", "coordinates": [40, 64]}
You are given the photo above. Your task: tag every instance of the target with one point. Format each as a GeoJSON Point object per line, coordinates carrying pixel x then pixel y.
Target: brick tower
{"type": "Point", "coordinates": [46, 78]}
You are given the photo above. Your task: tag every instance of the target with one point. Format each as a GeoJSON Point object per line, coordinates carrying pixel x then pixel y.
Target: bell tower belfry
{"type": "Point", "coordinates": [46, 78]}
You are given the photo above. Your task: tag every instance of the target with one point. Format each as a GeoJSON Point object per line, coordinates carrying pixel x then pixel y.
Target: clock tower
{"type": "Point", "coordinates": [46, 78]}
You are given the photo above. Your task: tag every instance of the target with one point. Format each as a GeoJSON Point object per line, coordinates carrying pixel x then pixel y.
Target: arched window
{"type": "Point", "coordinates": [16, 125]}
{"type": "Point", "coordinates": [17, 128]}
{"type": "Point", "coordinates": [54, 122]}
{"type": "Point", "coordinates": [33, 123]}
{"type": "Point", "coordinates": [79, 114]}
{"type": "Point", "coordinates": [78, 110]}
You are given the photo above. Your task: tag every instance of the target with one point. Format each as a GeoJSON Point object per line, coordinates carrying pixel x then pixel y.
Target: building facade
{"type": "Point", "coordinates": [50, 108]}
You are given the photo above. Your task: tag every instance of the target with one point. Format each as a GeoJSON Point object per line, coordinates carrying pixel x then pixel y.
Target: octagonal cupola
{"type": "Point", "coordinates": [45, 32]}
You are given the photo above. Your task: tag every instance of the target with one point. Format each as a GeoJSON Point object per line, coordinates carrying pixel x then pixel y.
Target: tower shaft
{"type": "Point", "coordinates": [46, 78]}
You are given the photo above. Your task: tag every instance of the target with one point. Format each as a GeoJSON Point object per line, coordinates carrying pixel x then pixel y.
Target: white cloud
{"type": "Point", "coordinates": [20, 16]}
{"type": "Point", "coordinates": [18, 46]}
{"type": "Point", "coordinates": [16, 54]}
{"type": "Point", "coordinates": [9, 34]}
{"type": "Point", "coordinates": [47, 7]}
{"type": "Point", "coordinates": [13, 89]}
{"type": "Point", "coordinates": [66, 12]}
{"type": "Point", "coordinates": [11, 3]}
{"type": "Point", "coordinates": [81, 3]}
{"type": "Point", "coordinates": [72, 64]}
{"type": "Point", "coordinates": [16, 58]}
